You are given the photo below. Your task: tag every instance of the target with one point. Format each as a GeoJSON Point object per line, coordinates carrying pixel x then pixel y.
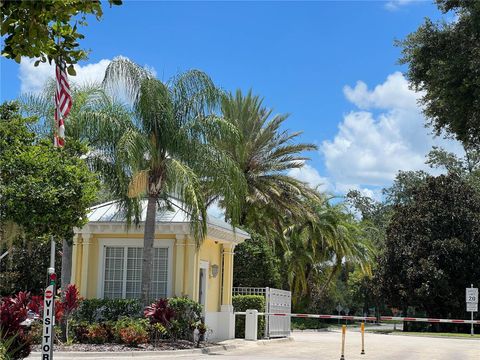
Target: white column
{"type": "Point", "coordinates": [179, 265]}
{"type": "Point", "coordinates": [85, 264]}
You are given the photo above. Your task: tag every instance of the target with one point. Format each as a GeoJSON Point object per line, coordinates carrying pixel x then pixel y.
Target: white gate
{"type": "Point", "coordinates": [276, 301]}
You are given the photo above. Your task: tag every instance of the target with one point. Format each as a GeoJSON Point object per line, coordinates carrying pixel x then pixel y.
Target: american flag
{"type": "Point", "coordinates": [63, 102]}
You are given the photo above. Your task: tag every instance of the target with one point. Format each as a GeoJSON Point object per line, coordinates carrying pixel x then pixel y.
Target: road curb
{"type": "Point", "coordinates": [239, 343]}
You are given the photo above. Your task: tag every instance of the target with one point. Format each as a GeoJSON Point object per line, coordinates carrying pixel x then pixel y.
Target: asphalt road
{"type": "Point", "coordinates": [323, 346]}
{"type": "Point", "coordinates": [326, 346]}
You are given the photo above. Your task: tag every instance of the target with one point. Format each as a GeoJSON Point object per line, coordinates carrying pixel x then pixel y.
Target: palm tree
{"type": "Point", "coordinates": [323, 243]}
{"type": "Point", "coordinates": [91, 105]}
{"type": "Point", "coordinates": [265, 153]}
{"type": "Point", "coordinates": [167, 149]}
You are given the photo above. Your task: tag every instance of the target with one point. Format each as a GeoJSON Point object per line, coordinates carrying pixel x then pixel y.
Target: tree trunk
{"type": "Point", "coordinates": [66, 275]}
{"type": "Point", "coordinates": [148, 237]}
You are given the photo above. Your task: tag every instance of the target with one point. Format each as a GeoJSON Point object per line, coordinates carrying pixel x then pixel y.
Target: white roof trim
{"type": "Point", "coordinates": [180, 228]}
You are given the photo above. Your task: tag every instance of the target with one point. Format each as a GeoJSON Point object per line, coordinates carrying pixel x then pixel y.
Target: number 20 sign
{"type": "Point", "coordinates": [471, 295]}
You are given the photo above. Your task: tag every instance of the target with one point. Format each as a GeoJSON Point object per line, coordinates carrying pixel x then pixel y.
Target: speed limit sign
{"type": "Point", "coordinates": [471, 295]}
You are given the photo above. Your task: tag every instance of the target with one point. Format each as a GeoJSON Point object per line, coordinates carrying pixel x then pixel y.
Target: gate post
{"type": "Point", "coordinates": [251, 325]}
{"type": "Point", "coordinates": [266, 333]}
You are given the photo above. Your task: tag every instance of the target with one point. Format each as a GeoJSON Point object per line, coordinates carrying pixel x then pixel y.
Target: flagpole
{"type": "Point", "coordinates": [51, 269]}
{"type": "Point", "coordinates": [48, 330]}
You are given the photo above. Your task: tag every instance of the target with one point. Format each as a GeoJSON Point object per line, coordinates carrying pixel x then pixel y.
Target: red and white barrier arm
{"type": "Point", "coordinates": [430, 320]}
{"type": "Point", "coordinates": [370, 318]}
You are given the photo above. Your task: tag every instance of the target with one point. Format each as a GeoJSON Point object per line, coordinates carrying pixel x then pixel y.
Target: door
{"type": "Point", "coordinates": [202, 284]}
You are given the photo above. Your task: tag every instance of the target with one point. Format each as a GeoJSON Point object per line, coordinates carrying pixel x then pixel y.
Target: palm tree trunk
{"type": "Point", "coordinates": [148, 237]}
{"type": "Point", "coordinates": [66, 275]}
{"type": "Point", "coordinates": [66, 264]}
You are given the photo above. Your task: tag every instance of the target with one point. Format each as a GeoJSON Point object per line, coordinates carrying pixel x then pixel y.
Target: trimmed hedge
{"type": "Point", "coordinates": [244, 303]}
{"type": "Point", "coordinates": [101, 310]}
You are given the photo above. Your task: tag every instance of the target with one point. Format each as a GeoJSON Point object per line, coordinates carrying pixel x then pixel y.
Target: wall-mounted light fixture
{"type": "Point", "coordinates": [214, 270]}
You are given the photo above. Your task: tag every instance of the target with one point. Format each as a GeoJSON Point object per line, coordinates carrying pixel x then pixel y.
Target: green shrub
{"type": "Point", "coordinates": [244, 303]}
{"type": "Point", "coordinates": [188, 313]}
{"type": "Point", "coordinates": [99, 321]}
{"type": "Point", "coordinates": [99, 333]}
{"type": "Point", "coordinates": [255, 263]}
{"type": "Point", "coordinates": [157, 332]}
{"type": "Point", "coordinates": [303, 324]}
{"type": "Point", "coordinates": [101, 310]}
{"type": "Point", "coordinates": [35, 333]}
{"type": "Point", "coordinates": [131, 332]}
{"type": "Point", "coordinates": [3, 351]}
{"type": "Point", "coordinates": [79, 331]}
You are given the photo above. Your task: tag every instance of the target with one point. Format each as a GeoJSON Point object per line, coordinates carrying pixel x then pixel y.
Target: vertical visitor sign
{"type": "Point", "coordinates": [48, 320]}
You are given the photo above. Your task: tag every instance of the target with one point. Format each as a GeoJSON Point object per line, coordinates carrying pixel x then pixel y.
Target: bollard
{"type": "Point", "coordinates": [362, 330]}
{"type": "Point", "coordinates": [251, 323]}
{"type": "Point", "coordinates": [344, 330]}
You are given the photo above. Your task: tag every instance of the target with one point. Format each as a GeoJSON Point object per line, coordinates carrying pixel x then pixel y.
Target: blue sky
{"type": "Point", "coordinates": [304, 58]}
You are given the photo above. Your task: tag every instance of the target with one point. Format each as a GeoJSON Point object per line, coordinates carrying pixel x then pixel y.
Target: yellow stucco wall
{"type": "Point", "coordinates": [184, 267]}
{"type": "Point", "coordinates": [211, 252]}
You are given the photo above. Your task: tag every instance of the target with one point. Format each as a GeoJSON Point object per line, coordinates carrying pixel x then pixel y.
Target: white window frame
{"type": "Point", "coordinates": [126, 243]}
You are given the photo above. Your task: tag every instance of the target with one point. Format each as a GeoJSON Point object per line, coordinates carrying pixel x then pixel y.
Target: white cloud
{"type": "Point", "coordinates": [33, 78]}
{"type": "Point", "coordinates": [394, 5]}
{"type": "Point", "coordinates": [393, 93]}
{"type": "Point", "coordinates": [311, 176]}
{"type": "Point", "coordinates": [372, 146]}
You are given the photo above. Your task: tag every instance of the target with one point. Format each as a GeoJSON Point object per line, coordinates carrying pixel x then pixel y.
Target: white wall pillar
{"type": "Point", "coordinates": [179, 265]}
{"type": "Point", "coordinates": [251, 325]}
{"type": "Point", "coordinates": [85, 264]}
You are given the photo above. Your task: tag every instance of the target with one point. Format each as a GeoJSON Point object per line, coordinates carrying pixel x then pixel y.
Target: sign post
{"type": "Point", "coordinates": [339, 309]}
{"type": "Point", "coordinates": [49, 309]}
{"type": "Point", "coordinates": [471, 298]}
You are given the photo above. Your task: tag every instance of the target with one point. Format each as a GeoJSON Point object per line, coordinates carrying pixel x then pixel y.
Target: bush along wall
{"type": "Point", "coordinates": [244, 303]}
{"type": "Point", "coordinates": [103, 310]}
{"type": "Point", "coordinates": [124, 321]}
{"type": "Point", "coordinates": [99, 321]}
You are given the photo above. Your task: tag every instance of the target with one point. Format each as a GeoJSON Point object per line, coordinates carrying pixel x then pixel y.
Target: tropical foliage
{"type": "Point", "coordinates": [33, 178]}
{"type": "Point", "coordinates": [166, 149]}
{"type": "Point", "coordinates": [142, 149]}
{"type": "Point", "coordinates": [442, 59]}
{"type": "Point", "coordinates": [51, 35]}
{"type": "Point", "coordinates": [307, 236]}
{"type": "Point", "coordinates": [264, 153]}
{"type": "Point", "coordinates": [431, 248]}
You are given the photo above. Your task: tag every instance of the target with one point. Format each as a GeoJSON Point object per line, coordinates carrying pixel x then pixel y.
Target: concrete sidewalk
{"type": "Point", "coordinates": [221, 347]}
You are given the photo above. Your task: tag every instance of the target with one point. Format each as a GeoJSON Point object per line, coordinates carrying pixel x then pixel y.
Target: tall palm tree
{"type": "Point", "coordinates": [91, 105]}
{"type": "Point", "coordinates": [168, 148]}
{"type": "Point", "coordinates": [331, 237]}
{"type": "Point", "coordinates": [265, 153]}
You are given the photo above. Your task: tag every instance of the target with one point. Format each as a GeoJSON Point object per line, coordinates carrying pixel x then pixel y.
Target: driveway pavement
{"type": "Point", "coordinates": [325, 346]}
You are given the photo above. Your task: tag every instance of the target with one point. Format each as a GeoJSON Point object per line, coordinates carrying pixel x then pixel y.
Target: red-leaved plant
{"type": "Point", "coordinates": [70, 302]}
{"type": "Point", "coordinates": [159, 312]}
{"type": "Point", "coordinates": [71, 299]}
{"type": "Point", "coordinates": [13, 311]}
